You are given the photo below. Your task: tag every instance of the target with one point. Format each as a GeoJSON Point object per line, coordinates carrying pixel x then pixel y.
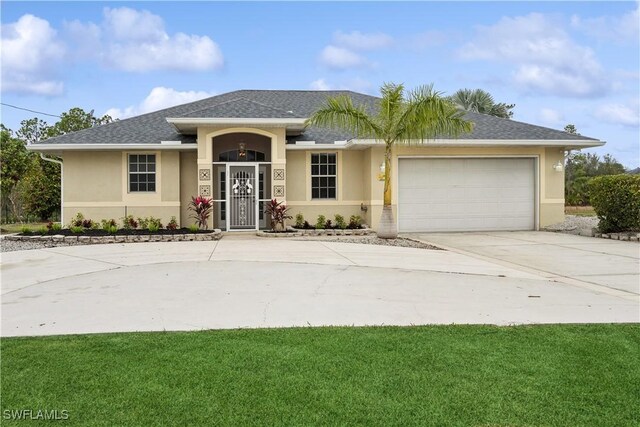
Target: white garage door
{"type": "Point", "coordinates": [466, 194]}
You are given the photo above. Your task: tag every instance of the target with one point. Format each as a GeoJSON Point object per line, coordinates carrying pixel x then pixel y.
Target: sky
{"type": "Point", "coordinates": [559, 62]}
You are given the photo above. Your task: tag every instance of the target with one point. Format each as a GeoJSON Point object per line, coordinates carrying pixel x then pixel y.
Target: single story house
{"type": "Point", "coordinates": [245, 147]}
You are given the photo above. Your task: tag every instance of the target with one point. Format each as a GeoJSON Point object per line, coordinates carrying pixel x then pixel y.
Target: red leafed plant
{"type": "Point", "coordinates": [201, 208]}
{"type": "Point", "coordinates": [277, 212]}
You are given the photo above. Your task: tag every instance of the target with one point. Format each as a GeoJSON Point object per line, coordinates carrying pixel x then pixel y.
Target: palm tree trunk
{"type": "Point", "coordinates": [387, 228]}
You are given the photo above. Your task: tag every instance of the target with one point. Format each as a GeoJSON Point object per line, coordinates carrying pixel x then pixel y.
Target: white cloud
{"type": "Point", "coordinates": [133, 40]}
{"type": "Point", "coordinates": [547, 60]}
{"type": "Point", "coordinates": [624, 28]}
{"type": "Point", "coordinates": [319, 84]}
{"type": "Point", "coordinates": [31, 52]}
{"type": "Point", "coordinates": [551, 117]}
{"type": "Point", "coordinates": [619, 114]}
{"type": "Point", "coordinates": [341, 58]}
{"type": "Point", "coordinates": [160, 97]}
{"type": "Point", "coordinates": [362, 41]}
{"type": "Point", "coordinates": [357, 84]}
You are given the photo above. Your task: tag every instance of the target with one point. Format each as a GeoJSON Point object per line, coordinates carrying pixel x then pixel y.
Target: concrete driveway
{"type": "Point", "coordinates": [244, 281]}
{"type": "Point", "coordinates": [582, 260]}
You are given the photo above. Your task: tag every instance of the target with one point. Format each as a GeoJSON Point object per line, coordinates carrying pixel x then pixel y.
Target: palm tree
{"type": "Point", "coordinates": [413, 119]}
{"type": "Point", "coordinates": [480, 101]}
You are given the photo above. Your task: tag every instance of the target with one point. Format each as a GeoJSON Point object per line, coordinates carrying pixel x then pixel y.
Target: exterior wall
{"type": "Point", "coordinates": [358, 182]}
{"type": "Point", "coordinates": [96, 185]}
{"type": "Point", "coordinates": [350, 185]}
{"type": "Point", "coordinates": [188, 184]}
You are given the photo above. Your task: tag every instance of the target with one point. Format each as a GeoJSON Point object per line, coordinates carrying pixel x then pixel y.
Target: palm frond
{"type": "Point", "coordinates": [429, 115]}
{"type": "Point", "coordinates": [340, 112]}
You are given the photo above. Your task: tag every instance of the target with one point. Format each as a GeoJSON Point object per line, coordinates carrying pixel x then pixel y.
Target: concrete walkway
{"type": "Point", "coordinates": [578, 259]}
{"type": "Point", "coordinates": [250, 282]}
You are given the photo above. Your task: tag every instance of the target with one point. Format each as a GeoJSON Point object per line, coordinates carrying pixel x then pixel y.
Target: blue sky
{"type": "Point", "coordinates": [559, 62]}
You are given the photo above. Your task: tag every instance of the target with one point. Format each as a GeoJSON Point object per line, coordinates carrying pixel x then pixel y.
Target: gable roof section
{"type": "Point", "coordinates": [153, 128]}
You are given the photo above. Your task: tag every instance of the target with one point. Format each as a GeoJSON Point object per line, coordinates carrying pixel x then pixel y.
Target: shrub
{"type": "Point", "coordinates": [616, 200]}
{"type": "Point", "coordinates": [193, 228]}
{"type": "Point", "coordinates": [42, 230]}
{"type": "Point", "coordinates": [278, 213]}
{"type": "Point", "coordinates": [129, 222]}
{"type": "Point", "coordinates": [150, 223]}
{"type": "Point", "coordinates": [88, 223]}
{"type": "Point", "coordinates": [172, 224]}
{"type": "Point", "coordinates": [201, 208]}
{"type": "Point", "coordinates": [107, 224]}
{"type": "Point", "coordinates": [320, 222]}
{"type": "Point", "coordinates": [300, 221]}
{"type": "Point", "coordinates": [112, 229]}
{"type": "Point", "coordinates": [25, 229]}
{"type": "Point", "coordinates": [77, 220]}
{"type": "Point", "coordinates": [54, 226]}
{"type": "Point", "coordinates": [355, 222]}
{"type": "Point", "coordinates": [77, 229]}
{"type": "Point", "coordinates": [340, 221]}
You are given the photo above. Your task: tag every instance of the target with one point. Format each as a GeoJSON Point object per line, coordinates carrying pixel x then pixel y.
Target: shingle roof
{"type": "Point", "coordinates": [152, 127]}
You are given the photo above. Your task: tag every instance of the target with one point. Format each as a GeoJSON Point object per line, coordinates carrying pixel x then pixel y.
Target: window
{"type": "Point", "coordinates": [323, 176]}
{"type": "Point", "coordinates": [142, 172]}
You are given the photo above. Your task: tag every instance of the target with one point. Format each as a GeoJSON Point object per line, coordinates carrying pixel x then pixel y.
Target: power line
{"type": "Point", "coordinates": [31, 111]}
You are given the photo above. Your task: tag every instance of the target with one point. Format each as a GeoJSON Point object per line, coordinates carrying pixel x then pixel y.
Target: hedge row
{"type": "Point", "coordinates": [616, 201]}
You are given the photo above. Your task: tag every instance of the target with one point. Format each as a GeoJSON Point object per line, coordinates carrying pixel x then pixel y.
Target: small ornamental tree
{"type": "Point", "coordinates": [278, 213]}
{"type": "Point", "coordinates": [201, 208]}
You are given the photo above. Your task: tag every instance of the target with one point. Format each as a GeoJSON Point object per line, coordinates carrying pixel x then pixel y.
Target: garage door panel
{"type": "Point", "coordinates": [466, 194]}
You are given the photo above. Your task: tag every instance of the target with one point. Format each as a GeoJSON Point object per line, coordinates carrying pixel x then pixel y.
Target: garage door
{"type": "Point", "coordinates": [466, 194]}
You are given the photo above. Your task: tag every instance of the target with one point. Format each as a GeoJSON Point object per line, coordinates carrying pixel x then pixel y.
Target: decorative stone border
{"type": "Point", "coordinates": [130, 238]}
{"type": "Point", "coordinates": [294, 232]}
{"type": "Point", "coordinates": [633, 237]}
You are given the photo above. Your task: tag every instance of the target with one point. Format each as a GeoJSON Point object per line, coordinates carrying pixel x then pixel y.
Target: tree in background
{"type": "Point", "coordinates": [30, 185]}
{"type": "Point", "coordinates": [580, 168]}
{"type": "Point", "coordinates": [480, 101]}
{"type": "Point", "coordinates": [571, 129]}
{"type": "Point", "coordinates": [14, 163]}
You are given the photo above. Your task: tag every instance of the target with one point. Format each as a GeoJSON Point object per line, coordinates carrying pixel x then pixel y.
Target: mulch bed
{"type": "Point", "coordinates": [121, 232]}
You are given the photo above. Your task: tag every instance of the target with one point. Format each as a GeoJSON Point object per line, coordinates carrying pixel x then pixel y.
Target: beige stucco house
{"type": "Point", "coordinates": [243, 148]}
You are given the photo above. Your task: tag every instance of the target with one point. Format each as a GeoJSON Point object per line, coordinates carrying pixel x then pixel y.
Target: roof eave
{"type": "Point", "coordinates": [569, 144]}
{"type": "Point", "coordinates": [166, 145]}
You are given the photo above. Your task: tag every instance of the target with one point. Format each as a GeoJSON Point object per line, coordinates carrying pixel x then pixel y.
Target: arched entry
{"type": "Point", "coordinates": [242, 172]}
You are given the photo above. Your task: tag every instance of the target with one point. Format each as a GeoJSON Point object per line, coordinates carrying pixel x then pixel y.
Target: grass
{"type": "Point", "coordinates": [579, 210]}
{"type": "Point", "coordinates": [437, 375]}
{"type": "Point", "coordinates": [16, 227]}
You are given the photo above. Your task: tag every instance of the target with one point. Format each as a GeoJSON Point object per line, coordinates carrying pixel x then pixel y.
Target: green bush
{"type": "Point", "coordinates": [616, 200]}
{"type": "Point", "coordinates": [25, 229]}
{"type": "Point", "coordinates": [299, 220]}
{"type": "Point", "coordinates": [321, 222]}
{"type": "Point", "coordinates": [193, 228]}
{"type": "Point", "coordinates": [77, 229]}
{"type": "Point", "coordinates": [42, 230]}
{"type": "Point", "coordinates": [340, 221]}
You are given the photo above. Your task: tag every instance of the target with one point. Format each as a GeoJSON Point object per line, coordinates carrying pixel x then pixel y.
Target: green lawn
{"type": "Point", "coordinates": [575, 375]}
{"type": "Point", "coordinates": [579, 210]}
{"type": "Point", "coordinates": [16, 227]}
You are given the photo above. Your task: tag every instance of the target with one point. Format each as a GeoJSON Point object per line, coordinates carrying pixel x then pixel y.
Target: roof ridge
{"type": "Point", "coordinates": [245, 99]}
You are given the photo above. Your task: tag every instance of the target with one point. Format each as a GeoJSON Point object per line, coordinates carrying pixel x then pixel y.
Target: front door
{"type": "Point", "coordinates": [242, 191]}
